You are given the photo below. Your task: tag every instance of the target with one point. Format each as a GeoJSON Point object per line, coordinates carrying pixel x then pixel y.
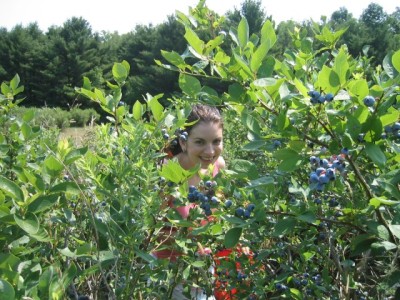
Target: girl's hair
{"type": "Point", "coordinates": [199, 113]}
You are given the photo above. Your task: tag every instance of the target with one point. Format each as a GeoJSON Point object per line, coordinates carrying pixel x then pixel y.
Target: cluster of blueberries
{"type": "Point", "coordinates": [318, 98]}
{"type": "Point", "coordinates": [207, 200]}
{"type": "Point", "coordinates": [392, 130]}
{"type": "Point", "coordinates": [324, 170]}
{"type": "Point", "coordinates": [180, 133]}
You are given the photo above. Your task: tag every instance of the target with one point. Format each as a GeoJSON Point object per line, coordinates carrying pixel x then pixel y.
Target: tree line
{"type": "Point", "coordinates": [51, 64]}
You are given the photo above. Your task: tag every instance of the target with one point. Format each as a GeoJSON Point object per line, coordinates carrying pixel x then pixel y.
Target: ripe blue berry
{"type": "Point", "coordinates": [396, 126]}
{"type": "Point", "coordinates": [250, 207]}
{"type": "Point", "coordinates": [239, 211]}
{"type": "Point", "coordinates": [329, 97]}
{"type": "Point", "coordinates": [369, 101]}
{"type": "Point", "coordinates": [345, 151]}
{"type": "Point", "coordinates": [228, 203]}
{"type": "Point", "coordinates": [214, 200]}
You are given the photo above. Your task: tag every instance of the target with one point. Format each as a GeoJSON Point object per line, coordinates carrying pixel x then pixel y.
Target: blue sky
{"type": "Point", "coordinates": [123, 15]}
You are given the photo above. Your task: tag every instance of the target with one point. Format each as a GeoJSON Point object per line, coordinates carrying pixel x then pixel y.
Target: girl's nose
{"type": "Point", "coordinates": [209, 149]}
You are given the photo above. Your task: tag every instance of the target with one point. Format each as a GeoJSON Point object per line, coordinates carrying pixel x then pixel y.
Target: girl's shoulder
{"type": "Point", "coordinates": [220, 163]}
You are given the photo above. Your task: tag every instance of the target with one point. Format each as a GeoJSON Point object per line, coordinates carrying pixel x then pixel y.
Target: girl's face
{"type": "Point", "coordinates": [204, 144]}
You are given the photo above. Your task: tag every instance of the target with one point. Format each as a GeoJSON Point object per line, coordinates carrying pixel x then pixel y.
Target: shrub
{"type": "Point", "coordinates": [94, 215]}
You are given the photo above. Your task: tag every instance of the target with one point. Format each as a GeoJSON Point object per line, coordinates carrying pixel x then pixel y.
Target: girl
{"type": "Point", "coordinates": [201, 144]}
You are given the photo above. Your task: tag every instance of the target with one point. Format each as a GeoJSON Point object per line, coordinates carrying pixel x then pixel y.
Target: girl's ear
{"type": "Point", "coordinates": [182, 143]}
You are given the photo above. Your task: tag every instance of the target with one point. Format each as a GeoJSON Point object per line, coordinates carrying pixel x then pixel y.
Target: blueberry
{"type": "Point", "coordinates": [318, 201]}
{"type": "Point", "coordinates": [345, 151]}
{"type": "Point", "coordinates": [333, 203]}
{"type": "Point", "coordinates": [228, 203]}
{"type": "Point", "coordinates": [313, 177]}
{"type": "Point", "coordinates": [314, 160]}
{"type": "Point", "coordinates": [323, 178]}
{"type": "Point", "coordinates": [250, 207]}
{"type": "Point", "coordinates": [239, 211]}
{"type": "Point", "coordinates": [396, 126]}
{"type": "Point", "coordinates": [276, 144]}
{"type": "Point", "coordinates": [329, 97]}
{"type": "Point", "coordinates": [369, 101]}
{"type": "Point", "coordinates": [214, 200]}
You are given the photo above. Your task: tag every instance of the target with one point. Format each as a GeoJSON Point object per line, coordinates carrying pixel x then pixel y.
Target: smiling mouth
{"type": "Point", "coordinates": [207, 159]}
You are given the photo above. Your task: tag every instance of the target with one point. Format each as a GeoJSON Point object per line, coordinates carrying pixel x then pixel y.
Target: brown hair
{"type": "Point", "coordinates": [199, 113]}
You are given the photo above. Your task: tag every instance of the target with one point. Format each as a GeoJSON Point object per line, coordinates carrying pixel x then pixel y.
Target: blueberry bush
{"type": "Point", "coordinates": [311, 185]}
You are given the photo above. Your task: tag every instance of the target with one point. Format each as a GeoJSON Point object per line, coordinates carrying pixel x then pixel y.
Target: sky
{"type": "Point", "coordinates": [123, 15]}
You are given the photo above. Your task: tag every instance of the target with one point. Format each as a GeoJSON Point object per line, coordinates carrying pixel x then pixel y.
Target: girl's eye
{"type": "Point", "coordinates": [199, 142]}
{"type": "Point", "coordinates": [217, 142]}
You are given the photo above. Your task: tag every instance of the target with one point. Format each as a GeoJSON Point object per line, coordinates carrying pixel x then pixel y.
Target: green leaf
{"type": "Point", "coordinates": [254, 145]}
{"type": "Point", "coordinates": [245, 67]}
{"type": "Point", "coordinates": [376, 202]}
{"type": "Point", "coordinates": [341, 66]}
{"type": "Point", "coordinates": [268, 35]}
{"type": "Point", "coordinates": [396, 60]}
{"type": "Point", "coordinates": [6, 290]}
{"type": "Point", "coordinates": [120, 71]}
{"type": "Point", "coordinates": [186, 272]}
{"type": "Point", "coordinates": [375, 153]}
{"type": "Point", "coordinates": [284, 226]}
{"type": "Point", "coordinates": [194, 41]}
{"type": "Point", "coordinates": [232, 237]}
{"type": "Point", "coordinates": [43, 203]}
{"type": "Point", "coordinates": [174, 172]}
{"type": "Point", "coordinates": [26, 131]}
{"type": "Point", "coordinates": [361, 243]}
{"type": "Point", "coordinates": [395, 229]}
{"type": "Point", "coordinates": [308, 217]}
{"type": "Point", "coordinates": [189, 85]}
{"type": "Point", "coordinates": [216, 229]}
{"type": "Point", "coordinates": [390, 117]}
{"type": "Point", "coordinates": [29, 222]}
{"type": "Point", "coordinates": [174, 58]}
{"type": "Point", "coordinates": [244, 168]}
{"type": "Point", "coordinates": [75, 154]}
{"type": "Point", "coordinates": [258, 57]}
{"type": "Point", "coordinates": [307, 255]}
{"type": "Point", "coordinates": [290, 159]}
{"type": "Point", "coordinates": [145, 256]}
{"type": "Point", "coordinates": [156, 108]}
{"type": "Point", "coordinates": [262, 181]}
{"type": "Point", "coordinates": [198, 264]}
{"type": "Point", "coordinates": [359, 88]}
{"type": "Point", "coordinates": [137, 110]}
{"type": "Point", "coordinates": [9, 261]}
{"type": "Point", "coordinates": [243, 32]}
{"type": "Point", "coordinates": [296, 294]}
{"type": "Point", "coordinates": [381, 247]}
{"type": "Point", "coordinates": [53, 166]}
{"type": "Point", "coordinates": [11, 189]}
{"type": "Point", "coordinates": [35, 180]}
{"type": "Point", "coordinates": [66, 187]}
{"type": "Point", "coordinates": [328, 80]}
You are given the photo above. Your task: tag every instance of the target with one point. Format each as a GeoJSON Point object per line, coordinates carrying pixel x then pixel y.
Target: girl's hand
{"type": "Point", "coordinates": [203, 251]}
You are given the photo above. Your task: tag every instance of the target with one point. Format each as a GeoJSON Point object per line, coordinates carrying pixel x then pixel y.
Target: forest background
{"type": "Point", "coordinates": [51, 64]}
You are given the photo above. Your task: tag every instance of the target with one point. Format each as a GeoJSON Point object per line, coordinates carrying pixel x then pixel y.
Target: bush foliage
{"type": "Point", "coordinates": [318, 166]}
